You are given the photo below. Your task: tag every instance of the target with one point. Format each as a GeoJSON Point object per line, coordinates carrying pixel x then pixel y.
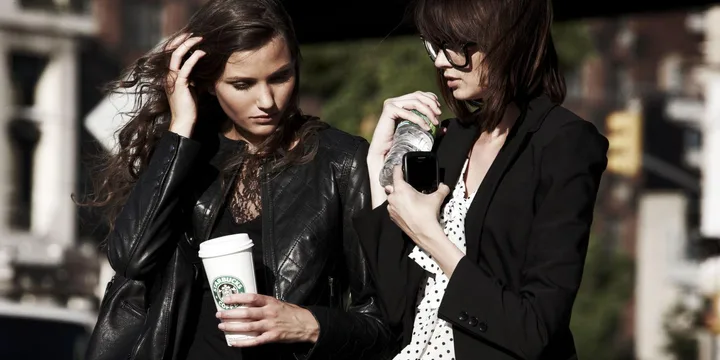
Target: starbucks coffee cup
{"type": "Point", "coordinates": [229, 267]}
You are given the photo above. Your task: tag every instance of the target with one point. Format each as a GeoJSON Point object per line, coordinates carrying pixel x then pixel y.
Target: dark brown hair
{"type": "Point", "coordinates": [520, 61]}
{"type": "Point", "coordinates": [226, 26]}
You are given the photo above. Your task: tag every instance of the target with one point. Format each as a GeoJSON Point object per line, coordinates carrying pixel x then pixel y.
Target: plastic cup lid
{"type": "Point", "coordinates": [225, 245]}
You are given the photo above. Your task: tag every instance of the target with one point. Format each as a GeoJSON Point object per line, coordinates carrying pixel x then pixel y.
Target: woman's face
{"type": "Point", "coordinates": [461, 67]}
{"type": "Point", "coordinates": [255, 90]}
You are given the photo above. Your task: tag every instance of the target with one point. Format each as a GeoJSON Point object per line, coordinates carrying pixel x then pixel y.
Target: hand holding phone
{"type": "Point", "coordinates": [421, 171]}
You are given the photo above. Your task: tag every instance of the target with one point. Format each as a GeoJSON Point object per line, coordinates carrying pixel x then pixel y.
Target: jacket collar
{"type": "Point", "coordinates": [455, 146]}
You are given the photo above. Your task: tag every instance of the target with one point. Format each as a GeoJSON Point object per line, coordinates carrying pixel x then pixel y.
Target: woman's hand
{"type": "Point", "coordinates": [396, 109]}
{"type": "Point", "coordinates": [399, 108]}
{"type": "Point", "coordinates": [177, 86]}
{"type": "Point", "coordinates": [418, 216]}
{"type": "Point", "coordinates": [273, 320]}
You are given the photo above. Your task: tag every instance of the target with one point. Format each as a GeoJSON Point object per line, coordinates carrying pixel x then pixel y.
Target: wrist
{"type": "Point", "coordinates": [433, 234]}
{"type": "Point", "coordinates": [374, 169]}
{"type": "Point", "coordinates": [312, 327]}
{"type": "Point", "coordinates": [182, 127]}
{"type": "Point", "coordinates": [375, 154]}
{"type": "Point", "coordinates": [439, 246]}
{"type": "Point", "coordinates": [375, 161]}
{"type": "Point", "coordinates": [377, 192]}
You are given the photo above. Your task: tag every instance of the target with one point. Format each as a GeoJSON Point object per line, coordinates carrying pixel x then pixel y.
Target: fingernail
{"type": "Point", "coordinates": [221, 326]}
{"type": "Point", "coordinates": [226, 299]}
{"type": "Point", "coordinates": [218, 315]}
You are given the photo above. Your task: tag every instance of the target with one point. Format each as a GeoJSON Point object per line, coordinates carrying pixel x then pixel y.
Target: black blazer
{"type": "Point", "coordinates": [527, 234]}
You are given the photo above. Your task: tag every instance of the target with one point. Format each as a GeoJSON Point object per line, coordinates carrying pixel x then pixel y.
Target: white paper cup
{"type": "Point", "coordinates": [229, 267]}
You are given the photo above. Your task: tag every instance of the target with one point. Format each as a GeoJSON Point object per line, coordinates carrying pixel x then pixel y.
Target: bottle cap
{"type": "Point", "coordinates": [433, 127]}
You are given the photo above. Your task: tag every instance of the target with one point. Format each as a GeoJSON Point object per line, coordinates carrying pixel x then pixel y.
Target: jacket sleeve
{"type": "Point", "coordinates": [524, 321]}
{"type": "Point", "coordinates": [143, 233]}
{"type": "Point", "coordinates": [359, 332]}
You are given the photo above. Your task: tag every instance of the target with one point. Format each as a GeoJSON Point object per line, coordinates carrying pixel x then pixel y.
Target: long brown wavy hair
{"type": "Point", "coordinates": [226, 26]}
{"type": "Point", "coordinates": [520, 61]}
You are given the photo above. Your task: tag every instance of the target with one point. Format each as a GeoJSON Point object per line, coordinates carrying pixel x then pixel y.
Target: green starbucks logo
{"type": "Point", "coordinates": [224, 286]}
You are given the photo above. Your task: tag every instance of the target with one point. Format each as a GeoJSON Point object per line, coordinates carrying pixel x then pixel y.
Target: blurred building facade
{"type": "Point", "coordinates": [55, 55]}
{"type": "Point", "coordinates": [39, 53]}
{"type": "Point", "coordinates": [647, 87]}
{"type": "Point", "coordinates": [132, 27]}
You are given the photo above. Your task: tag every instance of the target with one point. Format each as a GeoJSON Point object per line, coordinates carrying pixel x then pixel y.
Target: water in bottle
{"type": "Point", "coordinates": [408, 137]}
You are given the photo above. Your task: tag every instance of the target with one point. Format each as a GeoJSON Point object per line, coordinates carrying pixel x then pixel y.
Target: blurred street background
{"type": "Point", "coordinates": [648, 76]}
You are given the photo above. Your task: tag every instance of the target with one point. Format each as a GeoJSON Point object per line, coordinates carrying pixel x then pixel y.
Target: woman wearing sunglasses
{"type": "Point", "coordinates": [488, 266]}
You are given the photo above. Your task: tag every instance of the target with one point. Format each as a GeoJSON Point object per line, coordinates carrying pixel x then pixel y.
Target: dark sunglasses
{"type": "Point", "coordinates": [457, 56]}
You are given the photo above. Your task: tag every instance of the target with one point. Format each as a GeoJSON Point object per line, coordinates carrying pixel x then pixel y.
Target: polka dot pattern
{"type": "Point", "coordinates": [432, 337]}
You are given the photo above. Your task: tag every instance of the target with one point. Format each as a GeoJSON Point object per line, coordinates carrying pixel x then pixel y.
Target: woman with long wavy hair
{"type": "Point", "coordinates": [217, 146]}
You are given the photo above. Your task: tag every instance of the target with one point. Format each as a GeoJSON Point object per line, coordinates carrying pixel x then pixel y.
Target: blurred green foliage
{"type": "Point", "coordinates": [352, 79]}
{"type": "Point", "coordinates": [598, 314]}
{"type": "Point", "coordinates": [682, 324]}
{"type": "Point", "coordinates": [572, 43]}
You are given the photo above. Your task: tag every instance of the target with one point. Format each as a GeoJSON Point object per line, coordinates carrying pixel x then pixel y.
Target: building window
{"type": "Point", "coordinates": [24, 134]}
{"type": "Point", "coordinates": [670, 74]}
{"type": "Point", "coordinates": [692, 138]}
{"type": "Point", "coordinates": [625, 84]}
{"type": "Point", "coordinates": [142, 22]}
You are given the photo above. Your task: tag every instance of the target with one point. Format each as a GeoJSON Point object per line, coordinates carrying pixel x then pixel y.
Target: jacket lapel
{"type": "Point", "coordinates": [529, 121]}
{"type": "Point", "coordinates": [208, 204]}
{"type": "Point", "coordinates": [452, 150]}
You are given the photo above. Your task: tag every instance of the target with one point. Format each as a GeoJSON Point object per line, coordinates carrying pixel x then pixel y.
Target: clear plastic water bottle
{"type": "Point", "coordinates": [408, 137]}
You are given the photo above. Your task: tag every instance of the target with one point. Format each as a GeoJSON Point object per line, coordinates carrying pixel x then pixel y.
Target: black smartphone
{"type": "Point", "coordinates": [421, 171]}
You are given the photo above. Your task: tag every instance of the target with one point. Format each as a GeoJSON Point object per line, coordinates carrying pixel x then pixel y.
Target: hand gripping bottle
{"type": "Point", "coordinates": [408, 137]}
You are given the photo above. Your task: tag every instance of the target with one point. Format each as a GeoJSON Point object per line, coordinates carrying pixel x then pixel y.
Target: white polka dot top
{"type": "Point", "coordinates": [432, 337]}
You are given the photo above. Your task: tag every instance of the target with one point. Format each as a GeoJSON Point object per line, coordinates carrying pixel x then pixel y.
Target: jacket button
{"type": "Point", "coordinates": [462, 316]}
{"type": "Point", "coordinates": [473, 321]}
{"type": "Point", "coordinates": [482, 326]}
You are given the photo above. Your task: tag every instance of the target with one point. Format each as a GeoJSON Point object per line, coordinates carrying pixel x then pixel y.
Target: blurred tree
{"type": "Point", "coordinates": [353, 78]}
{"type": "Point", "coordinates": [572, 43]}
{"type": "Point", "coordinates": [681, 325]}
{"type": "Point", "coordinates": [607, 286]}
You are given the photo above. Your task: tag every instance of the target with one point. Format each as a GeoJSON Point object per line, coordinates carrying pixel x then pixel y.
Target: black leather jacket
{"type": "Point", "coordinates": [308, 241]}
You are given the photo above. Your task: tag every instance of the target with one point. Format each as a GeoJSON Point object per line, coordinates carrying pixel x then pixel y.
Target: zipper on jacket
{"type": "Point", "coordinates": [133, 309]}
{"type": "Point", "coordinates": [215, 207]}
{"type": "Point", "coordinates": [135, 349]}
{"type": "Point", "coordinates": [107, 290]}
{"type": "Point", "coordinates": [267, 243]}
{"type": "Point", "coordinates": [109, 285]}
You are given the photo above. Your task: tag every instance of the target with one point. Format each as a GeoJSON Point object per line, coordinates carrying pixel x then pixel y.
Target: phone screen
{"type": "Point", "coordinates": [421, 171]}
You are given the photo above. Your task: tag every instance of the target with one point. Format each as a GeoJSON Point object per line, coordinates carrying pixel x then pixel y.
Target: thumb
{"type": "Point", "coordinates": [442, 192]}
